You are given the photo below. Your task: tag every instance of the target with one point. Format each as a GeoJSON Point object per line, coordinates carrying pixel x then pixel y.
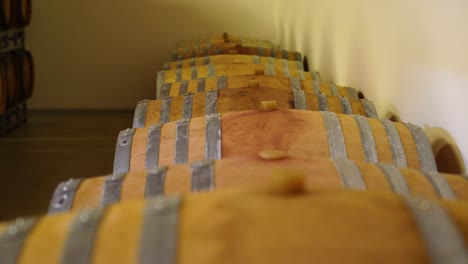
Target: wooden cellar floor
{"type": "Point", "coordinates": [55, 145]}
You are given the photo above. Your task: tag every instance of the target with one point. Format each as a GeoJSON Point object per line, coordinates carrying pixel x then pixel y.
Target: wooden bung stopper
{"type": "Point", "coordinates": [268, 105]}
{"type": "Point", "coordinates": [287, 182]}
{"type": "Point", "coordinates": [259, 72]}
{"type": "Point", "coordinates": [272, 154]}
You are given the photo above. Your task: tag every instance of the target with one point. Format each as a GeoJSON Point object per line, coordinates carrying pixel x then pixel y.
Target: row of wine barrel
{"type": "Point", "coordinates": [15, 13]}
{"type": "Point", "coordinates": [243, 158]}
{"type": "Point", "coordinates": [16, 78]}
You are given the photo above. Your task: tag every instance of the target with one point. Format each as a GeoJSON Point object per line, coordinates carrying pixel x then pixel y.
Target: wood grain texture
{"type": "Point", "coordinates": [297, 132]}
{"type": "Point", "coordinates": [229, 70]}
{"type": "Point", "coordinates": [275, 53]}
{"type": "Point", "coordinates": [252, 171]}
{"type": "Point", "coordinates": [253, 80]}
{"type": "Point", "coordinates": [222, 38]}
{"type": "Point", "coordinates": [245, 99]}
{"type": "Point", "coordinates": [222, 45]}
{"type": "Point", "coordinates": [237, 59]}
{"type": "Point", "coordinates": [310, 225]}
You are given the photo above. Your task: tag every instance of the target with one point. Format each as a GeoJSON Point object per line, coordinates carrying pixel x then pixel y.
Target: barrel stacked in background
{"type": "Point", "coordinates": [16, 63]}
{"type": "Point", "coordinates": [285, 168]}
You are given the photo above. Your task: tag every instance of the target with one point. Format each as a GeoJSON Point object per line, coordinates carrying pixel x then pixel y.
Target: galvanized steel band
{"type": "Point", "coordinates": [345, 105]}
{"type": "Point", "coordinates": [396, 179]}
{"type": "Point", "coordinates": [350, 174]}
{"type": "Point", "coordinates": [443, 239]}
{"type": "Point", "coordinates": [181, 142]}
{"type": "Point", "coordinates": [165, 110]}
{"type": "Point", "coordinates": [63, 197]}
{"type": "Point", "coordinates": [201, 85]}
{"type": "Point", "coordinates": [158, 242]}
{"type": "Point", "coordinates": [183, 87]}
{"type": "Point", "coordinates": [425, 154]}
{"type": "Point", "coordinates": [79, 244]}
{"type": "Point", "coordinates": [188, 103]}
{"type": "Point", "coordinates": [165, 90]}
{"type": "Point", "coordinates": [333, 89]}
{"type": "Point", "coordinates": [213, 137]}
{"type": "Point", "coordinates": [300, 101]}
{"type": "Point", "coordinates": [211, 102]}
{"type": "Point", "coordinates": [440, 185]}
{"type": "Point", "coordinates": [139, 118]}
{"type": "Point", "coordinates": [394, 140]}
{"type": "Point", "coordinates": [152, 147]}
{"type": "Point", "coordinates": [369, 108]}
{"type": "Point", "coordinates": [12, 239]}
{"type": "Point", "coordinates": [123, 151]}
{"type": "Point", "coordinates": [367, 138]}
{"type": "Point", "coordinates": [336, 140]}
{"type": "Point", "coordinates": [112, 189]}
{"type": "Point", "coordinates": [202, 175]}
{"type": "Point", "coordinates": [155, 181]}
{"type": "Point", "coordinates": [322, 102]}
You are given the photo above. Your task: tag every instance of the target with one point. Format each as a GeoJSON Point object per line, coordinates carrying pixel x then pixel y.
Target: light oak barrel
{"type": "Point", "coordinates": [208, 44]}
{"type": "Point", "coordinates": [254, 171]}
{"type": "Point", "coordinates": [225, 70]}
{"type": "Point", "coordinates": [150, 112]}
{"type": "Point", "coordinates": [228, 59]}
{"type": "Point", "coordinates": [223, 38]}
{"type": "Point", "coordinates": [220, 45]}
{"type": "Point", "coordinates": [240, 81]}
{"type": "Point", "coordinates": [238, 49]}
{"type": "Point", "coordinates": [247, 226]}
{"type": "Point", "coordinates": [297, 132]}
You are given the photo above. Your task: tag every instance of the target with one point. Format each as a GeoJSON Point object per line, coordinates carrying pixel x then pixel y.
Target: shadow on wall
{"type": "Point", "coordinates": [105, 54]}
{"type": "Point", "coordinates": [446, 152]}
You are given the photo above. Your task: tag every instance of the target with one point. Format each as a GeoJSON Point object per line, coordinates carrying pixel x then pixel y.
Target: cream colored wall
{"type": "Point", "coordinates": [105, 54]}
{"type": "Point", "coordinates": [409, 57]}
{"type": "Point", "coordinates": [406, 56]}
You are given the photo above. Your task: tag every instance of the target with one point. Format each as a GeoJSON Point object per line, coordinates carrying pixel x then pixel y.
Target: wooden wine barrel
{"type": "Point", "coordinates": [3, 89]}
{"type": "Point", "coordinates": [228, 59]}
{"type": "Point", "coordinates": [23, 10]}
{"type": "Point", "coordinates": [207, 45]}
{"type": "Point", "coordinates": [238, 49]}
{"type": "Point", "coordinates": [271, 225]}
{"type": "Point", "coordinates": [13, 89]}
{"type": "Point", "coordinates": [211, 70]}
{"type": "Point", "coordinates": [6, 13]}
{"type": "Point", "coordinates": [26, 70]}
{"type": "Point", "coordinates": [221, 45]}
{"type": "Point", "coordinates": [224, 38]}
{"type": "Point", "coordinates": [297, 132]}
{"type": "Point", "coordinates": [221, 101]}
{"type": "Point", "coordinates": [255, 171]}
{"type": "Point", "coordinates": [240, 81]}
